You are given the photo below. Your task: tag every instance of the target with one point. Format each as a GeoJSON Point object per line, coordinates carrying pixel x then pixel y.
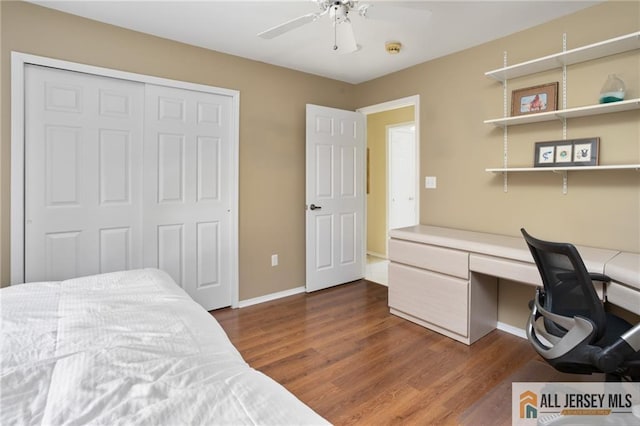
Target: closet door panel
{"type": "Point", "coordinates": [83, 139]}
{"type": "Point", "coordinates": [187, 201]}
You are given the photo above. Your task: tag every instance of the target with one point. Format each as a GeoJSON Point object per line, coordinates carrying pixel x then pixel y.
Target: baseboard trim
{"type": "Point", "coordinates": [270, 297]}
{"type": "Point", "coordinates": [375, 254]}
{"type": "Point", "coordinates": [511, 330]}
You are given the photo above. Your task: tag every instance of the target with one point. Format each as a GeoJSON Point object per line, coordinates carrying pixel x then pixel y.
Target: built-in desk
{"type": "Point", "coordinates": [624, 290]}
{"type": "Point", "coordinates": [446, 279]}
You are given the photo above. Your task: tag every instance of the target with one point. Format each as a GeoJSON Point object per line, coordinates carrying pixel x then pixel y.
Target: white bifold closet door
{"type": "Point", "coordinates": [122, 175]}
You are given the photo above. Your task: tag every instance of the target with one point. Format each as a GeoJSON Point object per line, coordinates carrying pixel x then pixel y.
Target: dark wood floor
{"type": "Point", "coordinates": [342, 353]}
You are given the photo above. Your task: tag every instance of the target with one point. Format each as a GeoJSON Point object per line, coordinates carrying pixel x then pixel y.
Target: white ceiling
{"type": "Point", "coordinates": [426, 29]}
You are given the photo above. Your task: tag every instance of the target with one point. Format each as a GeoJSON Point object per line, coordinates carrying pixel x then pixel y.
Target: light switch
{"type": "Point", "coordinates": [430, 182]}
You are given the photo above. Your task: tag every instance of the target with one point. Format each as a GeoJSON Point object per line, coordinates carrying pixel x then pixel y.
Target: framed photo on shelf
{"type": "Point", "coordinates": [536, 99]}
{"type": "Point", "coordinates": [567, 153]}
{"type": "Point", "coordinates": [545, 154]}
{"type": "Point", "coordinates": [563, 154]}
{"type": "Point", "coordinates": [585, 152]}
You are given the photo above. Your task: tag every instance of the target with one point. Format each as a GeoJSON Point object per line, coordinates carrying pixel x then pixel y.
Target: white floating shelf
{"type": "Point", "coordinates": [582, 111]}
{"type": "Point", "coordinates": [565, 169]}
{"type": "Point", "coordinates": [601, 49]}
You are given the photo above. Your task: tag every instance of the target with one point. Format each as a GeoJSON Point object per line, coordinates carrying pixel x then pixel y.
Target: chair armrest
{"type": "Point", "coordinates": [594, 276]}
{"type": "Point", "coordinates": [599, 277]}
{"type": "Point", "coordinates": [580, 330]}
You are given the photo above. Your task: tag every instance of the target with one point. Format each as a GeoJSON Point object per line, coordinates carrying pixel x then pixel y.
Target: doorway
{"type": "Point", "coordinates": [402, 188]}
{"type": "Point", "coordinates": [393, 113]}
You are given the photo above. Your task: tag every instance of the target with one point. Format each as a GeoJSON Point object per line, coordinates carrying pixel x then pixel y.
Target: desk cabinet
{"type": "Point", "coordinates": [446, 279]}
{"type": "Point", "coordinates": [432, 286]}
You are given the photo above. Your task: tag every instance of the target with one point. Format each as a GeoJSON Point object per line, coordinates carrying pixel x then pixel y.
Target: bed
{"type": "Point", "coordinates": [127, 348]}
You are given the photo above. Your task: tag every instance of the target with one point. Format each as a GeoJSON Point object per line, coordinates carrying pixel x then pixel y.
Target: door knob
{"type": "Point", "coordinates": [314, 207]}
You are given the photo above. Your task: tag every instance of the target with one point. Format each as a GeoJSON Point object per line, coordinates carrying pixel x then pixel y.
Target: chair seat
{"type": "Point", "coordinates": [616, 327]}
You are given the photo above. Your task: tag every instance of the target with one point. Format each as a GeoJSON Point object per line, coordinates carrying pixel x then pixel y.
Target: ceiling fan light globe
{"type": "Point", "coordinates": [363, 9]}
{"type": "Point", "coordinates": [339, 13]}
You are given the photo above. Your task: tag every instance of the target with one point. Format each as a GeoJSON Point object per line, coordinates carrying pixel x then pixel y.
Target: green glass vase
{"type": "Point", "coordinates": [612, 90]}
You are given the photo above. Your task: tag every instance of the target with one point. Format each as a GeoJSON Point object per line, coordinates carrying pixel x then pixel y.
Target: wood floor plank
{"type": "Point", "coordinates": [341, 352]}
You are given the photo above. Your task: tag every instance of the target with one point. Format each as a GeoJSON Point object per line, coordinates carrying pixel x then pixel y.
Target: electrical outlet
{"type": "Point", "coordinates": [274, 260]}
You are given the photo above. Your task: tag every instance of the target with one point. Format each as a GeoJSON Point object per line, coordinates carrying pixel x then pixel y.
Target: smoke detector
{"type": "Point", "coordinates": [393, 47]}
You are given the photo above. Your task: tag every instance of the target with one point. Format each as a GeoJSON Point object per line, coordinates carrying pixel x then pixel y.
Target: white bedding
{"type": "Point", "coordinates": [127, 348]}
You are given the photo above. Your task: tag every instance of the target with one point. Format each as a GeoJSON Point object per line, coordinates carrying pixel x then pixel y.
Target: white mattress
{"type": "Point", "coordinates": [127, 348]}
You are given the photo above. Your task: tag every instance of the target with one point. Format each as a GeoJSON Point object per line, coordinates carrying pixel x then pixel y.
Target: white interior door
{"type": "Point", "coordinates": [402, 186]}
{"type": "Point", "coordinates": [83, 140]}
{"type": "Point", "coordinates": [335, 143]}
{"type": "Point", "coordinates": [187, 201]}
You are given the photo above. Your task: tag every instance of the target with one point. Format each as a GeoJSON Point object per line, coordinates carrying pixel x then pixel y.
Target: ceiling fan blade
{"type": "Point", "coordinates": [289, 25]}
{"type": "Point", "coordinates": [397, 12]}
{"type": "Point", "coordinates": [345, 38]}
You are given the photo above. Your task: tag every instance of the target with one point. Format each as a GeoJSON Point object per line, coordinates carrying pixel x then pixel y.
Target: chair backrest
{"type": "Point", "coordinates": [568, 288]}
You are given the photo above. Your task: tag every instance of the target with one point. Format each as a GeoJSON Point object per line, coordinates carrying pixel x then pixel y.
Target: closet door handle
{"type": "Point", "coordinates": [314, 207]}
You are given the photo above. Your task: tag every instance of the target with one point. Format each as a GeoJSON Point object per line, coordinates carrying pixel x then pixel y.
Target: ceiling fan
{"type": "Point", "coordinates": [340, 11]}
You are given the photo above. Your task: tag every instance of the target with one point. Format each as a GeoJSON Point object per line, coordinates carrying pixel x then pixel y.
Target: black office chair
{"type": "Point", "coordinates": [579, 336]}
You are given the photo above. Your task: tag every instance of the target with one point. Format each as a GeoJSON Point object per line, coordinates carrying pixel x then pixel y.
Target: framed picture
{"type": "Point", "coordinates": [567, 153]}
{"type": "Point", "coordinates": [532, 100]}
{"type": "Point", "coordinates": [585, 152]}
{"type": "Point", "coordinates": [564, 154]}
{"type": "Point", "coordinates": [545, 154]}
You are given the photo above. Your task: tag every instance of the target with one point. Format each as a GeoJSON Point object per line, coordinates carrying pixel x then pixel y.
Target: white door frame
{"type": "Point", "coordinates": [395, 104]}
{"type": "Point", "coordinates": [18, 62]}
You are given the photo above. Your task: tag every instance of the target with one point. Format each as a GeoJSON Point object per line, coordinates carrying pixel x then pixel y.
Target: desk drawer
{"type": "Point", "coordinates": [505, 268]}
{"type": "Point", "coordinates": [444, 260]}
{"type": "Point", "coordinates": [438, 299]}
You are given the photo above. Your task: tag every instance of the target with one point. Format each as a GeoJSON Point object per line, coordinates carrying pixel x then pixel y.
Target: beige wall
{"type": "Point", "coordinates": [600, 209]}
{"type": "Point", "coordinates": [377, 197]}
{"type": "Point", "coordinates": [272, 132]}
